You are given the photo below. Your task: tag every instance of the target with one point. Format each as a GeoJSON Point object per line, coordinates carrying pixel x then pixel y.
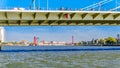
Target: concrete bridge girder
{"type": "Point", "coordinates": [56, 18]}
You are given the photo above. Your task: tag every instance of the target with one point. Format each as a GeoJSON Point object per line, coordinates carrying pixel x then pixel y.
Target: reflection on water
{"type": "Point", "coordinates": [80, 59]}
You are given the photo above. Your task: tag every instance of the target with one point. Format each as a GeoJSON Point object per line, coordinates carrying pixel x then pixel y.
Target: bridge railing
{"type": "Point", "coordinates": [57, 9]}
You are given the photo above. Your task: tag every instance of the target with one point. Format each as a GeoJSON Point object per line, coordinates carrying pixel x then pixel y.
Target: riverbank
{"type": "Point", "coordinates": [102, 45]}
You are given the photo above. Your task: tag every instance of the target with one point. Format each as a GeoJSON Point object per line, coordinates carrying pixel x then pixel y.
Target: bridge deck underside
{"type": "Point", "coordinates": [58, 18]}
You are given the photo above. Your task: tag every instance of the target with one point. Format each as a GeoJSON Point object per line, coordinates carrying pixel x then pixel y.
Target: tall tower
{"type": "Point", "coordinates": [2, 34]}
{"type": "Point", "coordinates": [118, 38]}
{"type": "Point", "coordinates": [72, 40]}
{"type": "Point", "coordinates": [35, 40]}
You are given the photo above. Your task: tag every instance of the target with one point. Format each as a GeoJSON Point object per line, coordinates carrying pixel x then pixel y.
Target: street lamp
{"type": "Point", "coordinates": [116, 4]}
{"type": "Point", "coordinates": [47, 5]}
{"type": "Point", "coordinates": [33, 3]}
{"type": "Point", "coordinates": [39, 4]}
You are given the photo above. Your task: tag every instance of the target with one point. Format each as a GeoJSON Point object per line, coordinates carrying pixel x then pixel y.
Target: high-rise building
{"type": "Point", "coordinates": [118, 38]}
{"type": "Point", "coordinates": [2, 34]}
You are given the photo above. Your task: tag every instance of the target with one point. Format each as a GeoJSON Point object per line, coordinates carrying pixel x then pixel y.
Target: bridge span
{"type": "Point", "coordinates": [58, 18]}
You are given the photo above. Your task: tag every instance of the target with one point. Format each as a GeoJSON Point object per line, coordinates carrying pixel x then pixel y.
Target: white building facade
{"type": "Point", "coordinates": [2, 34]}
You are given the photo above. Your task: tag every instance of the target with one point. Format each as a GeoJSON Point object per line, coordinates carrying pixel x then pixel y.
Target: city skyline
{"type": "Point", "coordinates": [58, 33]}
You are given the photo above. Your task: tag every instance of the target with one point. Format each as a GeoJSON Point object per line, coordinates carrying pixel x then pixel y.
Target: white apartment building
{"type": "Point", "coordinates": [2, 34]}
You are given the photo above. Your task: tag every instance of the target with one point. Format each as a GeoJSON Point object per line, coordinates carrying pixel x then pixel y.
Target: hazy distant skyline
{"type": "Point", "coordinates": [58, 33]}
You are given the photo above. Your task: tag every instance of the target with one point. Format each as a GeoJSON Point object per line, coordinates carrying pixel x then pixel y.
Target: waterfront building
{"type": "Point", "coordinates": [84, 43]}
{"type": "Point", "coordinates": [51, 43]}
{"type": "Point", "coordinates": [96, 41]}
{"type": "Point", "coordinates": [93, 41]}
{"type": "Point", "coordinates": [2, 34]}
{"type": "Point", "coordinates": [24, 42]}
{"type": "Point", "coordinates": [118, 38]}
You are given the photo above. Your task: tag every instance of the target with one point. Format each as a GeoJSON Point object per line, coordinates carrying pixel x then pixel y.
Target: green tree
{"type": "Point", "coordinates": [78, 43]}
{"type": "Point", "coordinates": [111, 40]}
{"type": "Point", "coordinates": [101, 41]}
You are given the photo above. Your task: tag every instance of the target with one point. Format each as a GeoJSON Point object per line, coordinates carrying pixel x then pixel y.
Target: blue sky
{"type": "Point", "coordinates": [54, 4]}
{"type": "Point", "coordinates": [58, 33]}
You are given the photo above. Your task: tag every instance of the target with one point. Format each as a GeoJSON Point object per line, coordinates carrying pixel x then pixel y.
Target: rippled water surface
{"type": "Point", "coordinates": [73, 59]}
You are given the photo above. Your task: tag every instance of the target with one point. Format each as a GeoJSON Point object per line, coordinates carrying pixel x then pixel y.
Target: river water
{"type": "Point", "coordinates": [61, 59]}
